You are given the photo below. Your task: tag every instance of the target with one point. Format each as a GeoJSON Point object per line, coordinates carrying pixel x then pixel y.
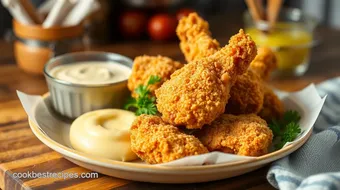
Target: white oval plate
{"type": "Point", "coordinates": [138, 171]}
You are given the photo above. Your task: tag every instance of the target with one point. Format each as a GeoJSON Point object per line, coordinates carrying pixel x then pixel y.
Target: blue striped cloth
{"type": "Point", "coordinates": [316, 165]}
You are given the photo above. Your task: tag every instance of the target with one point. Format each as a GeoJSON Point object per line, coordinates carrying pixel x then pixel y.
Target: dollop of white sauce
{"type": "Point", "coordinates": [104, 133]}
{"type": "Point", "coordinates": [91, 73]}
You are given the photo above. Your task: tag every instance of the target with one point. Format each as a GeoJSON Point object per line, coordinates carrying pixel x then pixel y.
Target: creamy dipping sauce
{"type": "Point", "coordinates": [91, 73]}
{"type": "Point", "coordinates": [104, 133]}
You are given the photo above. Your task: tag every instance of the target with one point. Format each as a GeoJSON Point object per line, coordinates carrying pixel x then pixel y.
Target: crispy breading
{"type": "Point", "coordinates": [204, 46]}
{"type": "Point", "coordinates": [246, 95]}
{"type": "Point", "coordinates": [264, 63]}
{"type": "Point", "coordinates": [197, 93]}
{"type": "Point", "coordinates": [246, 135]}
{"type": "Point", "coordinates": [145, 66]}
{"type": "Point", "coordinates": [272, 108]}
{"type": "Point", "coordinates": [191, 26]}
{"type": "Point", "coordinates": [156, 142]}
{"type": "Point", "coordinates": [195, 38]}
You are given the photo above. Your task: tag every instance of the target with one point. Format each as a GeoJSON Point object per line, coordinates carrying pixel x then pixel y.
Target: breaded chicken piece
{"type": "Point", "coordinates": [246, 135]}
{"type": "Point", "coordinates": [246, 95]}
{"type": "Point", "coordinates": [195, 37]}
{"type": "Point", "coordinates": [204, 46]}
{"type": "Point", "coordinates": [272, 106]}
{"type": "Point", "coordinates": [197, 93]}
{"type": "Point", "coordinates": [145, 66]}
{"type": "Point", "coordinates": [264, 63]}
{"type": "Point", "coordinates": [191, 26]}
{"type": "Point", "coordinates": [156, 142]}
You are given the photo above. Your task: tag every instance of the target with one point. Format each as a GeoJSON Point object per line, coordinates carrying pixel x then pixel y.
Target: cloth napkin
{"type": "Point", "coordinates": [316, 165]}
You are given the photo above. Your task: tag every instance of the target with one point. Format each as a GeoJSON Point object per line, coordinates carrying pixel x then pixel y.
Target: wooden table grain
{"type": "Point", "coordinates": [21, 151]}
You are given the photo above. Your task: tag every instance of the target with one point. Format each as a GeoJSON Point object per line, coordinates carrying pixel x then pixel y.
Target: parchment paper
{"type": "Point", "coordinates": [307, 102]}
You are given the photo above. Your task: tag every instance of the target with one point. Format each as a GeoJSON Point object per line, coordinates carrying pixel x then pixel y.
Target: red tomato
{"type": "Point", "coordinates": [162, 27]}
{"type": "Point", "coordinates": [132, 24]}
{"type": "Point", "coordinates": [183, 12]}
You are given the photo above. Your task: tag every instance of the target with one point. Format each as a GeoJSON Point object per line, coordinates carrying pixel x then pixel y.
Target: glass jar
{"type": "Point", "coordinates": [291, 39]}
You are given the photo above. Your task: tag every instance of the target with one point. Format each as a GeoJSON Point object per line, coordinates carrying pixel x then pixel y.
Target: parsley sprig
{"type": "Point", "coordinates": [145, 102]}
{"type": "Point", "coordinates": [286, 129]}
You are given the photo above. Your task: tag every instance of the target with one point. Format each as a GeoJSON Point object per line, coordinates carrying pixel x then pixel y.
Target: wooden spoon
{"type": "Point", "coordinates": [256, 9]}
{"type": "Point", "coordinates": [257, 13]}
{"type": "Point", "coordinates": [31, 11]}
{"type": "Point", "coordinates": [273, 9]}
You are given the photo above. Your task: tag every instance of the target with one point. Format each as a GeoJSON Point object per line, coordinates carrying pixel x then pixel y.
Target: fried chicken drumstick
{"type": "Point", "coordinates": [197, 93]}
{"type": "Point", "coordinates": [246, 135]}
{"type": "Point", "coordinates": [195, 38]}
{"type": "Point", "coordinates": [156, 142]}
{"type": "Point", "coordinates": [246, 95]}
{"type": "Point", "coordinates": [145, 66]}
{"type": "Point", "coordinates": [264, 63]}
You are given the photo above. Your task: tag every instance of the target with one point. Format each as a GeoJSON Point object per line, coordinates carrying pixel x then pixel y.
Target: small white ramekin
{"type": "Point", "coordinates": [72, 100]}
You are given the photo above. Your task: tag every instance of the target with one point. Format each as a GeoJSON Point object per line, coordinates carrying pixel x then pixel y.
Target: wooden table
{"type": "Point", "coordinates": [21, 151]}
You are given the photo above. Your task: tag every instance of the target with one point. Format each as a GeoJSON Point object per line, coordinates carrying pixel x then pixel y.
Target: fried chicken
{"type": "Point", "coordinates": [197, 93]}
{"type": "Point", "coordinates": [246, 95]}
{"type": "Point", "coordinates": [145, 66]}
{"type": "Point", "coordinates": [246, 135]}
{"type": "Point", "coordinates": [272, 106]}
{"type": "Point", "coordinates": [264, 63]}
{"type": "Point", "coordinates": [195, 37]}
{"type": "Point", "coordinates": [156, 142]}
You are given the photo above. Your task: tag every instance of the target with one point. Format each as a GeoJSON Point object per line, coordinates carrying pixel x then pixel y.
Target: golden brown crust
{"type": "Point", "coordinates": [195, 37]}
{"type": "Point", "coordinates": [246, 135]}
{"type": "Point", "coordinates": [204, 46]}
{"type": "Point", "coordinates": [191, 26]}
{"type": "Point", "coordinates": [272, 106]}
{"type": "Point", "coordinates": [264, 63]}
{"type": "Point", "coordinates": [145, 66]}
{"type": "Point", "coordinates": [157, 142]}
{"type": "Point", "coordinates": [197, 93]}
{"type": "Point", "coordinates": [246, 95]}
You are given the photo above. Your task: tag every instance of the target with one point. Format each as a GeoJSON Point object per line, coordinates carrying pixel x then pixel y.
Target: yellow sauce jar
{"type": "Point", "coordinates": [291, 42]}
{"type": "Point", "coordinates": [291, 39]}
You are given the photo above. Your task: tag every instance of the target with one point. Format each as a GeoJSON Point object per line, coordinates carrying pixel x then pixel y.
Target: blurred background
{"type": "Point", "coordinates": [136, 27]}
{"type": "Point", "coordinates": [106, 25]}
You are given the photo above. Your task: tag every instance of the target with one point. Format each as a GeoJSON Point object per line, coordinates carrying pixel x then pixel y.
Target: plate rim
{"type": "Point", "coordinates": [108, 163]}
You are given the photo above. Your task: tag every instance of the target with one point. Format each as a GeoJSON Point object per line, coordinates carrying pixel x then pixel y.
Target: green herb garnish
{"type": "Point", "coordinates": [144, 103]}
{"type": "Point", "coordinates": [286, 129]}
